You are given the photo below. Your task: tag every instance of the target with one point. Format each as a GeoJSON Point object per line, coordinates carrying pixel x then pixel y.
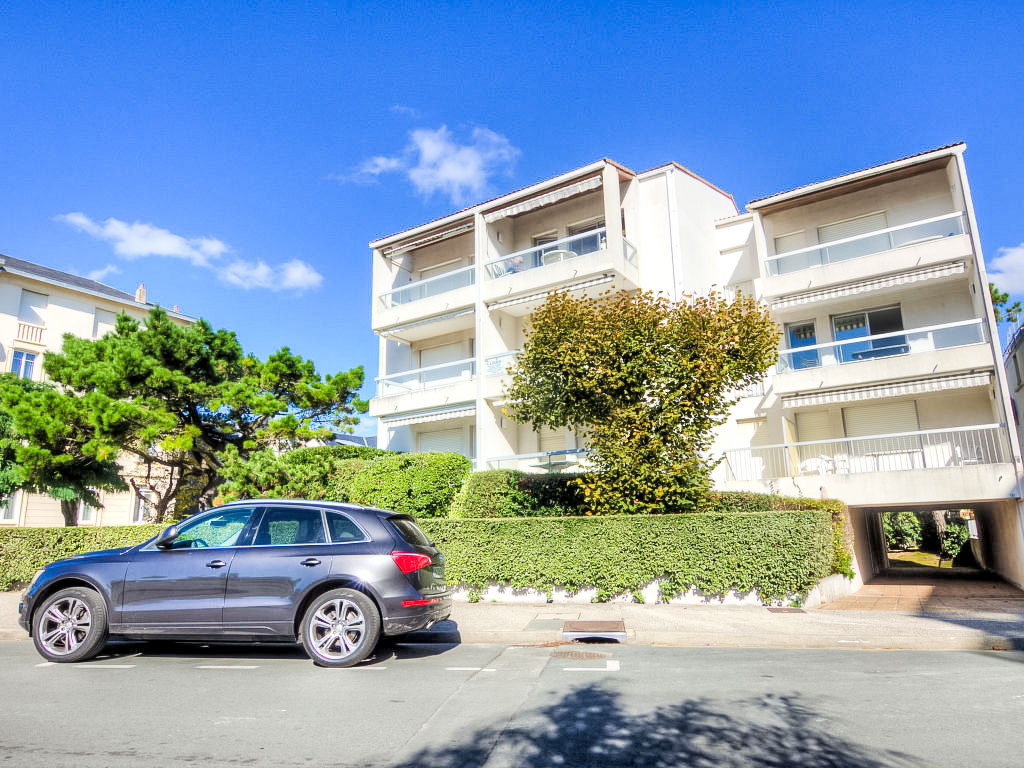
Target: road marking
{"type": "Point", "coordinates": [469, 669]}
{"type": "Point", "coordinates": [612, 665]}
{"type": "Point", "coordinates": [227, 666]}
{"type": "Point", "coordinates": [108, 666]}
{"type": "Point", "coordinates": [47, 664]}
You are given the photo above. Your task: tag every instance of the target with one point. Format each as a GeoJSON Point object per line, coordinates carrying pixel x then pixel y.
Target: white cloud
{"type": "Point", "coordinates": [99, 274]}
{"type": "Point", "coordinates": [138, 240]}
{"type": "Point", "coordinates": [401, 109]}
{"type": "Point", "coordinates": [435, 162]}
{"type": "Point", "coordinates": [1007, 269]}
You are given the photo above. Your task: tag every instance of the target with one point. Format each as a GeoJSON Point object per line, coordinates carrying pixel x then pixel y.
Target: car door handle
{"type": "Point", "coordinates": [216, 564]}
{"type": "Point", "coordinates": [309, 562]}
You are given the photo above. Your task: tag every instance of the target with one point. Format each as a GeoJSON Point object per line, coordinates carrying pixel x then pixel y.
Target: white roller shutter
{"type": "Point", "coordinates": [881, 418]}
{"type": "Point", "coordinates": [791, 242]}
{"type": "Point", "coordinates": [553, 440]}
{"type": "Point", "coordinates": [812, 426]}
{"type": "Point", "coordinates": [31, 309]}
{"type": "Point", "coordinates": [443, 441]}
{"type": "Point", "coordinates": [851, 228]}
{"type": "Point", "coordinates": [446, 353]}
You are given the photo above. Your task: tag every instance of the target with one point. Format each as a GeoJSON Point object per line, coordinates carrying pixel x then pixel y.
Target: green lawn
{"type": "Point", "coordinates": [899, 558]}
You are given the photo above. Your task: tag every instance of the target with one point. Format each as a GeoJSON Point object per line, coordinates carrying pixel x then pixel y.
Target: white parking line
{"type": "Point", "coordinates": [227, 666]}
{"type": "Point", "coordinates": [469, 669]}
{"type": "Point", "coordinates": [47, 664]}
{"type": "Point", "coordinates": [107, 666]}
{"type": "Point", "coordinates": [612, 666]}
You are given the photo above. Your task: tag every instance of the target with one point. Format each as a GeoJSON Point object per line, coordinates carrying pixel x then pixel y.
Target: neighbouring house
{"type": "Point", "coordinates": [38, 305]}
{"type": "Point", "coordinates": [888, 393]}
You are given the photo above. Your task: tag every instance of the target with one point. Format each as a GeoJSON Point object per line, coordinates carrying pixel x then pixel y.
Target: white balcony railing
{"type": "Point", "coordinates": [555, 252]}
{"type": "Point", "coordinates": [864, 245]}
{"type": "Point", "coordinates": [431, 376]}
{"type": "Point", "coordinates": [548, 461]}
{"type": "Point", "coordinates": [431, 286]}
{"type": "Point", "coordinates": [923, 450]}
{"type": "Point", "coordinates": [30, 332]}
{"type": "Point", "coordinates": [908, 342]}
{"type": "Point", "coordinates": [498, 365]}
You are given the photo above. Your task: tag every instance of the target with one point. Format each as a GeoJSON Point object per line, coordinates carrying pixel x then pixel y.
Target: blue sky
{"type": "Point", "coordinates": [239, 161]}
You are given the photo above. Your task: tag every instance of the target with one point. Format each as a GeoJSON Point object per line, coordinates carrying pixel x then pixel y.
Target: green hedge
{"type": "Point", "coordinates": [420, 484]}
{"type": "Point", "coordinates": [511, 493]}
{"type": "Point", "coordinates": [23, 551]}
{"type": "Point", "coordinates": [774, 553]}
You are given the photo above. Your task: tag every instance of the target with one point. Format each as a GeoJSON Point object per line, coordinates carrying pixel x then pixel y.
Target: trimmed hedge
{"type": "Point", "coordinates": [420, 484]}
{"type": "Point", "coordinates": [777, 554]}
{"type": "Point", "coordinates": [23, 551]}
{"type": "Point", "coordinates": [511, 493]}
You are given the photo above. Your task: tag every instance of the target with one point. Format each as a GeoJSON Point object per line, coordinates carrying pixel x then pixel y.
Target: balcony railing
{"type": "Point", "coordinates": [547, 461]}
{"type": "Point", "coordinates": [429, 377]}
{"type": "Point", "coordinates": [555, 252]}
{"type": "Point", "coordinates": [883, 345]}
{"type": "Point", "coordinates": [864, 245]}
{"type": "Point", "coordinates": [926, 449]}
{"type": "Point", "coordinates": [30, 332]}
{"type": "Point", "coordinates": [431, 286]}
{"type": "Point", "coordinates": [498, 365]}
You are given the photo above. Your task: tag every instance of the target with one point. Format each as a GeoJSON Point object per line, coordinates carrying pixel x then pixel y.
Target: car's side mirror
{"type": "Point", "coordinates": [167, 537]}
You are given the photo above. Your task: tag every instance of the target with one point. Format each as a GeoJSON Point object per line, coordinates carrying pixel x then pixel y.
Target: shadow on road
{"type": "Point", "coordinates": [588, 727]}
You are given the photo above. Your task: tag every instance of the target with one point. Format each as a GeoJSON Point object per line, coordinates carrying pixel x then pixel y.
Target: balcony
{"type": "Point", "coordinates": [30, 333]}
{"type": "Point", "coordinates": [431, 286]}
{"type": "Point", "coordinates": [580, 260]}
{"type": "Point", "coordinates": [429, 307]}
{"type": "Point", "coordinates": [906, 247]}
{"type": "Point", "coordinates": [927, 466]}
{"type": "Point", "coordinates": [496, 368]}
{"type": "Point", "coordinates": [571, 459]}
{"type": "Point", "coordinates": [421, 388]}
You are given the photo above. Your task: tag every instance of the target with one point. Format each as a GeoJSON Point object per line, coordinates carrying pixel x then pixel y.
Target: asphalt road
{"type": "Point", "coordinates": [485, 705]}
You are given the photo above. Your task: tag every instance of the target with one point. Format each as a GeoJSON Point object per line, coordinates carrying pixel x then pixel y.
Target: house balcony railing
{"type": "Point", "coordinates": [555, 252]}
{"type": "Point", "coordinates": [878, 241]}
{"type": "Point", "coordinates": [498, 365]}
{"type": "Point", "coordinates": [30, 333]}
{"type": "Point", "coordinates": [922, 450]}
{"type": "Point", "coordinates": [431, 286]}
{"type": "Point", "coordinates": [909, 342]}
{"type": "Point", "coordinates": [431, 376]}
{"type": "Point", "coordinates": [546, 461]}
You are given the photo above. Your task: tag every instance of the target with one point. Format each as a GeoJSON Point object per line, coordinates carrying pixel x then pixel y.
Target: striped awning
{"type": "Point", "coordinates": [896, 389]}
{"type": "Point", "coordinates": [544, 294]}
{"type": "Point", "coordinates": [435, 319]}
{"type": "Point", "coordinates": [866, 286]}
{"type": "Point", "coordinates": [436, 237]}
{"type": "Point", "coordinates": [548, 198]}
{"type": "Point", "coordinates": [422, 417]}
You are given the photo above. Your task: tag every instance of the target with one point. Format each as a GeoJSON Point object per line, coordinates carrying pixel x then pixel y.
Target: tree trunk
{"type": "Point", "coordinates": [70, 511]}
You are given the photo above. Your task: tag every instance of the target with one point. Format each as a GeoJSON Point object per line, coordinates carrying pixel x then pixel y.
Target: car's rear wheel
{"type": "Point", "coordinates": [340, 628]}
{"type": "Point", "coordinates": [70, 625]}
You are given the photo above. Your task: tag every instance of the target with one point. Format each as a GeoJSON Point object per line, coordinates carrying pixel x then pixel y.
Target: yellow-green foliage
{"type": "Point", "coordinates": [777, 554]}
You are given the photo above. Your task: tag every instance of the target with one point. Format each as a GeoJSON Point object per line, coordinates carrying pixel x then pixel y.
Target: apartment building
{"type": "Point", "coordinates": [38, 305]}
{"type": "Point", "coordinates": [888, 393]}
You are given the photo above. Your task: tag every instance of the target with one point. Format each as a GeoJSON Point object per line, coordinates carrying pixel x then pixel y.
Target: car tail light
{"type": "Point", "coordinates": [424, 601]}
{"type": "Point", "coordinates": [408, 562]}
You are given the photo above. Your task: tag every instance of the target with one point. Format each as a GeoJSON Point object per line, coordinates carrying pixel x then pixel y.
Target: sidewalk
{"type": "Point", "coordinates": [976, 629]}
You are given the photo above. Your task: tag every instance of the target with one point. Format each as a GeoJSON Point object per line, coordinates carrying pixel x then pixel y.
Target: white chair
{"type": "Point", "coordinates": [552, 257]}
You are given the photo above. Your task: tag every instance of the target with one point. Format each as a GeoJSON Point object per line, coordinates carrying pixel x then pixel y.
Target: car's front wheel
{"type": "Point", "coordinates": [340, 628]}
{"type": "Point", "coordinates": [70, 625]}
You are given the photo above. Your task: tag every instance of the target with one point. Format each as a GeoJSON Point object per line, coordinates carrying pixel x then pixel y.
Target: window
{"type": "Point", "coordinates": [32, 308]}
{"type": "Point", "coordinates": [86, 514]}
{"type": "Point", "coordinates": [103, 323]}
{"type": "Point", "coordinates": [343, 529]}
{"type": "Point", "coordinates": [801, 335]}
{"type": "Point", "coordinates": [587, 243]}
{"type": "Point", "coordinates": [863, 246]}
{"type": "Point", "coordinates": [443, 441]}
{"type": "Point", "coordinates": [282, 526]}
{"type": "Point", "coordinates": [220, 529]}
{"type": "Point", "coordinates": [410, 531]}
{"type": "Point", "coordinates": [871, 323]}
{"type": "Point", "coordinates": [144, 508]}
{"type": "Point", "coordinates": [23, 363]}
{"type": "Point", "coordinates": [10, 507]}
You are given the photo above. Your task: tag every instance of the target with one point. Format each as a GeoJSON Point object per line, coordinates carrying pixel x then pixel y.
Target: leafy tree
{"type": "Point", "coordinates": [1000, 300]}
{"type": "Point", "coordinates": [902, 530]}
{"type": "Point", "coordinates": [646, 380]}
{"type": "Point", "coordinates": [176, 398]}
{"type": "Point", "coordinates": [47, 446]}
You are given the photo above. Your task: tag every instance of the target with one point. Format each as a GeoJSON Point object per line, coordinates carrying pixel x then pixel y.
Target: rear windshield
{"type": "Point", "coordinates": [410, 532]}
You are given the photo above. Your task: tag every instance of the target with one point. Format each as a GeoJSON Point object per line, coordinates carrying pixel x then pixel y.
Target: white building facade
{"type": "Point", "coordinates": [889, 392]}
{"type": "Point", "coordinates": [38, 305]}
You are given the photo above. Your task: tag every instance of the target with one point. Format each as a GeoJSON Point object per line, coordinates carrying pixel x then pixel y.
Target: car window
{"type": "Point", "coordinates": [290, 525]}
{"type": "Point", "coordinates": [220, 529]}
{"type": "Point", "coordinates": [410, 531]}
{"type": "Point", "coordinates": [342, 529]}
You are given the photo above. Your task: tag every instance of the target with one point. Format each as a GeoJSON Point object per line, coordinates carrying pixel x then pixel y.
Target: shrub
{"type": "Point", "coordinates": [775, 553]}
{"type": "Point", "coordinates": [953, 539]}
{"type": "Point", "coordinates": [421, 484]}
{"type": "Point", "coordinates": [902, 530]}
{"type": "Point", "coordinates": [339, 484]}
{"type": "Point", "coordinates": [511, 493]}
{"type": "Point", "coordinates": [23, 551]}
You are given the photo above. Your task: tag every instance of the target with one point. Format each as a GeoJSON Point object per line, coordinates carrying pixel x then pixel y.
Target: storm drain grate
{"type": "Point", "coordinates": [594, 631]}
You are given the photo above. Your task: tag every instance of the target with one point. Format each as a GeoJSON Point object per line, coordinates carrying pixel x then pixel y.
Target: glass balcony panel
{"type": "Point", "coordinates": [549, 253]}
{"type": "Point", "coordinates": [432, 286]}
{"type": "Point", "coordinates": [425, 378]}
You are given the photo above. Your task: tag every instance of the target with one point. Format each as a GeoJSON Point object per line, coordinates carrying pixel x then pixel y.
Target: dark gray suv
{"type": "Point", "coordinates": [333, 576]}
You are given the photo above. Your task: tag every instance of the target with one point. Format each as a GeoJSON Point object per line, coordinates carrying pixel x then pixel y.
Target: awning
{"type": "Point", "coordinates": [435, 319]}
{"type": "Point", "coordinates": [548, 198]}
{"type": "Point", "coordinates": [896, 389]}
{"type": "Point", "coordinates": [544, 294]}
{"type": "Point", "coordinates": [422, 417]}
{"type": "Point", "coordinates": [864, 286]}
{"type": "Point", "coordinates": [436, 237]}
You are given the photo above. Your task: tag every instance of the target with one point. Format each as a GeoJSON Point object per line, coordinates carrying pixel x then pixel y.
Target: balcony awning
{"type": "Point", "coordinates": [865, 286]}
{"type": "Point", "coordinates": [544, 294]}
{"type": "Point", "coordinates": [394, 250]}
{"type": "Point", "coordinates": [896, 389]}
{"type": "Point", "coordinates": [548, 198]}
{"type": "Point", "coordinates": [435, 319]}
{"type": "Point", "coordinates": [436, 414]}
